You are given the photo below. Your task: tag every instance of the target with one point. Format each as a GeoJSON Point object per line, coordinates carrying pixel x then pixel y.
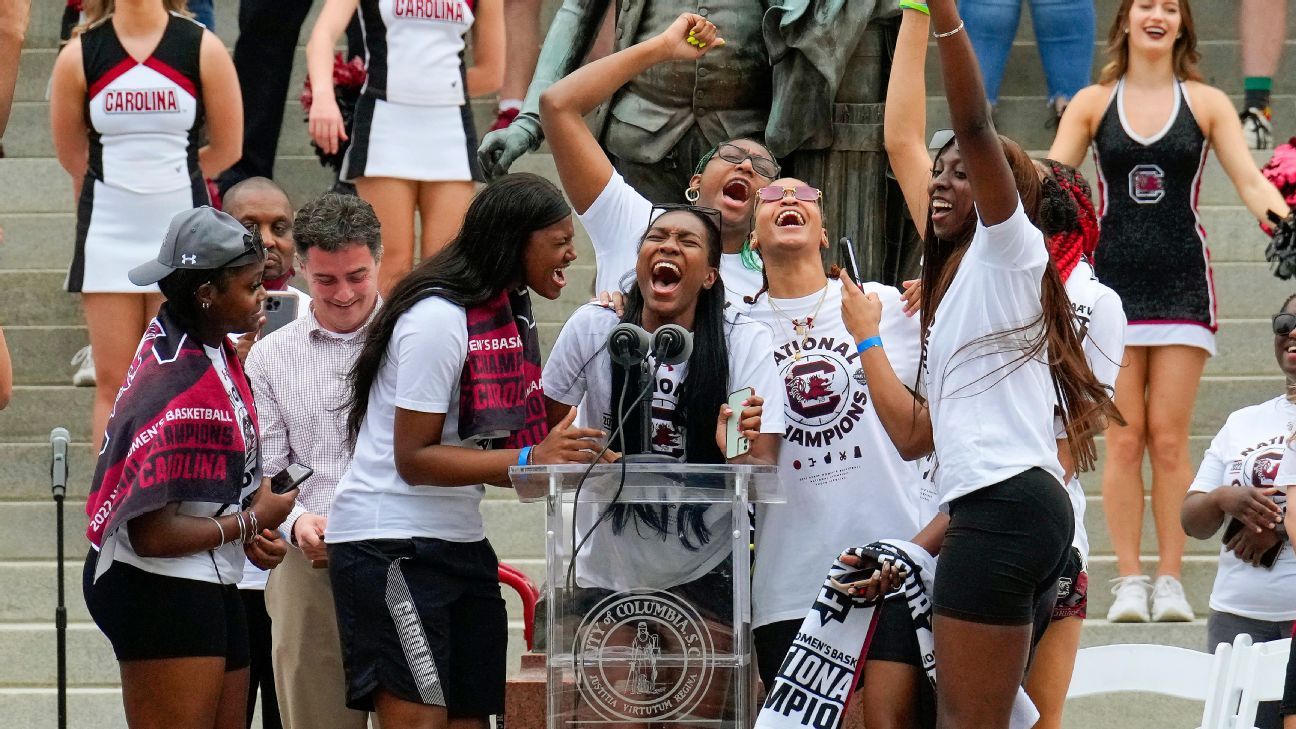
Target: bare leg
{"type": "Point", "coordinates": [14, 17]}
{"type": "Point", "coordinates": [397, 713]}
{"type": "Point", "coordinates": [1262, 29]}
{"type": "Point", "coordinates": [522, 18]}
{"type": "Point", "coordinates": [116, 323]}
{"type": "Point", "coordinates": [175, 693]}
{"type": "Point", "coordinates": [1050, 673]}
{"type": "Point", "coordinates": [393, 202]}
{"type": "Point", "coordinates": [889, 695]}
{"type": "Point", "coordinates": [232, 713]}
{"type": "Point", "coordinates": [1173, 376]}
{"type": "Point", "coordinates": [442, 206]}
{"type": "Point", "coordinates": [968, 696]}
{"type": "Point", "coordinates": [1122, 482]}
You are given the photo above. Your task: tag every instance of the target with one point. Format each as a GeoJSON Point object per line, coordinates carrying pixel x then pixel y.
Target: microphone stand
{"type": "Point", "coordinates": [58, 486]}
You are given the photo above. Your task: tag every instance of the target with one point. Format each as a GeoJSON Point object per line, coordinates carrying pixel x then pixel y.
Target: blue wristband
{"type": "Point", "coordinates": [869, 343]}
{"type": "Point", "coordinates": [524, 456]}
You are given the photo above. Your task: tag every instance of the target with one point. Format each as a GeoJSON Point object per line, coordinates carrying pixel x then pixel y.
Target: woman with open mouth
{"type": "Point", "coordinates": [1000, 357]}
{"type": "Point", "coordinates": [846, 483]}
{"type": "Point", "coordinates": [1151, 119]}
{"type": "Point", "coordinates": [446, 395]}
{"type": "Point", "coordinates": [676, 282]}
{"type": "Point", "coordinates": [613, 213]}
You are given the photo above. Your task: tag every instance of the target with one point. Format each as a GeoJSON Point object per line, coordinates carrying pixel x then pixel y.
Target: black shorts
{"type": "Point", "coordinates": [772, 642]}
{"type": "Point", "coordinates": [1005, 549]}
{"type": "Point", "coordinates": [148, 616]}
{"type": "Point", "coordinates": [424, 620]}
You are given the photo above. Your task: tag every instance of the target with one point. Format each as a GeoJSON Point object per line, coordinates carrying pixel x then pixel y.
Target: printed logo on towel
{"type": "Point", "coordinates": [826, 391]}
{"type": "Point", "coordinates": [451, 10]}
{"type": "Point", "coordinates": [141, 101]}
{"type": "Point", "coordinates": [1147, 184]}
{"type": "Point", "coordinates": [647, 657]}
{"type": "Point", "coordinates": [813, 683]}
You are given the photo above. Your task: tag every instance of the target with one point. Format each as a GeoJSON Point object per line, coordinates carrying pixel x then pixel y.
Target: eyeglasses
{"type": "Point", "coordinates": [804, 193]}
{"type": "Point", "coordinates": [1283, 324]}
{"type": "Point", "coordinates": [711, 215]}
{"type": "Point", "coordinates": [733, 154]}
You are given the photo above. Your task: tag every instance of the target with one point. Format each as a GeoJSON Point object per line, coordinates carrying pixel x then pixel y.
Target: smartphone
{"type": "Point", "coordinates": [290, 478]}
{"type": "Point", "coordinates": [850, 254]}
{"type": "Point", "coordinates": [1269, 557]}
{"type": "Point", "coordinates": [736, 443]}
{"type": "Point", "coordinates": [280, 309]}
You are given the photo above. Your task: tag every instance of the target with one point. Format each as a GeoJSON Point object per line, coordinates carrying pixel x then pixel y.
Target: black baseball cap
{"type": "Point", "coordinates": [202, 238]}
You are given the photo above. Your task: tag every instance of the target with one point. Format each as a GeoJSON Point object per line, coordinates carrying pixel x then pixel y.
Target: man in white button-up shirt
{"type": "Point", "coordinates": [298, 377]}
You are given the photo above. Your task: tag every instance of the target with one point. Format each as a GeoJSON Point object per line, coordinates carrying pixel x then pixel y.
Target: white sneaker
{"type": "Point", "coordinates": [1131, 603]}
{"type": "Point", "coordinates": [1257, 127]}
{"type": "Point", "coordinates": [85, 373]}
{"type": "Point", "coordinates": [1168, 602]}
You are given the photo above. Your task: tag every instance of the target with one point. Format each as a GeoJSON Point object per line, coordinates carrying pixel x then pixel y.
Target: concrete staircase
{"type": "Point", "coordinates": [44, 328]}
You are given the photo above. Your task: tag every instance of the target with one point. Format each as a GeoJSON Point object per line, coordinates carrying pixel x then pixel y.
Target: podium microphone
{"type": "Point", "coordinates": [628, 345]}
{"type": "Point", "coordinates": [672, 344]}
{"type": "Point", "coordinates": [59, 439]}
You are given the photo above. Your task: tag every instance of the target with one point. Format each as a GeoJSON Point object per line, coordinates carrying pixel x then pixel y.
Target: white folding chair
{"type": "Point", "coordinates": [1262, 672]}
{"type": "Point", "coordinates": [1157, 669]}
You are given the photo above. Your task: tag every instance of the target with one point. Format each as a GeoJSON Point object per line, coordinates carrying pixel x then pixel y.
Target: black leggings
{"type": "Point", "coordinates": [1005, 549]}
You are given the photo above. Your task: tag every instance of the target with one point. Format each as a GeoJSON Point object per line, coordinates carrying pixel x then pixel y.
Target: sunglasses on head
{"type": "Point", "coordinates": [710, 214]}
{"type": "Point", "coordinates": [762, 165]}
{"type": "Point", "coordinates": [804, 193]}
{"type": "Point", "coordinates": [1284, 323]}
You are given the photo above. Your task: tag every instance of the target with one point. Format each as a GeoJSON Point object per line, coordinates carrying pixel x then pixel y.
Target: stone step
{"type": "Point", "coordinates": [87, 708]}
{"type": "Point", "coordinates": [41, 353]}
{"type": "Point", "coordinates": [1198, 577]}
{"type": "Point", "coordinates": [1100, 540]}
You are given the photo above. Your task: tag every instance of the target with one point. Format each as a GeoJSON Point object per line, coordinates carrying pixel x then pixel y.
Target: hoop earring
{"type": "Point", "coordinates": [206, 304]}
{"type": "Point", "coordinates": [692, 194]}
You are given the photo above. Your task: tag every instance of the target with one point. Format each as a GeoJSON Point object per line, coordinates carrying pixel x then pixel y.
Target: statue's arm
{"type": "Point", "coordinates": [568, 41]}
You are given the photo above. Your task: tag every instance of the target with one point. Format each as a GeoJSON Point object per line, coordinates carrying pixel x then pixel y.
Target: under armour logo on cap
{"type": "Point", "coordinates": [188, 260]}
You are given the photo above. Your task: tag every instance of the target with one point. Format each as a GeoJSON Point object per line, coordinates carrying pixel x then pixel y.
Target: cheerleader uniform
{"type": "Point", "coordinates": [412, 121]}
{"type": "Point", "coordinates": [1152, 247]}
{"type": "Point", "coordinates": [144, 120]}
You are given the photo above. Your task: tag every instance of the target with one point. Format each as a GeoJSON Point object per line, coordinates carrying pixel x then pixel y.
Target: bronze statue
{"type": "Point", "coordinates": [807, 77]}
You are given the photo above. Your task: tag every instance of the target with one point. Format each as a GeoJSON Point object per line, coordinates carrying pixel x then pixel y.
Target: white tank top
{"type": "Point", "coordinates": [414, 50]}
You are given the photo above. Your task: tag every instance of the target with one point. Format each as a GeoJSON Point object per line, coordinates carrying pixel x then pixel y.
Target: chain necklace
{"type": "Point", "coordinates": [801, 327]}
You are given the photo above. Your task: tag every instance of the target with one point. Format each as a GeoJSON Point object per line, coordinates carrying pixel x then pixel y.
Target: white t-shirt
{"type": "Point", "coordinates": [223, 565]}
{"type": "Point", "coordinates": [846, 485]}
{"type": "Point", "coordinates": [579, 373]}
{"type": "Point", "coordinates": [991, 411]}
{"type": "Point", "coordinates": [1247, 452]}
{"type": "Point", "coordinates": [615, 223]}
{"type": "Point", "coordinates": [421, 372]}
{"type": "Point", "coordinates": [1099, 311]}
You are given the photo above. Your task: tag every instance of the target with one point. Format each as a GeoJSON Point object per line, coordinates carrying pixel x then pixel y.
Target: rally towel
{"type": "Point", "coordinates": [824, 665]}
{"type": "Point", "coordinates": [500, 395]}
{"type": "Point", "coordinates": [173, 434]}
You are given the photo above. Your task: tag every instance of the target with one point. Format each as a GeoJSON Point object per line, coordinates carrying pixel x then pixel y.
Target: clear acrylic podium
{"type": "Point", "coordinates": [650, 624]}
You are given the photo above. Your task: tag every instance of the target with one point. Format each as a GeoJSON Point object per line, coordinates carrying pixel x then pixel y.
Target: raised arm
{"type": "Point", "coordinates": [993, 187]}
{"type": "Point", "coordinates": [904, 126]}
{"type": "Point", "coordinates": [1225, 134]}
{"type": "Point", "coordinates": [582, 165]}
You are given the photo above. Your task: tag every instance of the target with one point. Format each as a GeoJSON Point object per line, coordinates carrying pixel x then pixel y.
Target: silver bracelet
{"type": "Point", "coordinates": [256, 529]}
{"type": "Point", "coordinates": [949, 33]}
{"type": "Point", "coordinates": [219, 527]}
{"type": "Point", "coordinates": [242, 537]}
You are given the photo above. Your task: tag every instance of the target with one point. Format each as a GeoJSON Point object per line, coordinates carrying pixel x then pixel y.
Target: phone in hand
{"type": "Point", "coordinates": [736, 443]}
{"type": "Point", "coordinates": [280, 309]}
{"type": "Point", "coordinates": [1268, 558]}
{"type": "Point", "coordinates": [290, 478]}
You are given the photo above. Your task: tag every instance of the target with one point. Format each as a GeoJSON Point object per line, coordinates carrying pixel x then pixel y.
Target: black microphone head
{"type": "Point", "coordinates": [672, 344]}
{"type": "Point", "coordinates": [629, 344]}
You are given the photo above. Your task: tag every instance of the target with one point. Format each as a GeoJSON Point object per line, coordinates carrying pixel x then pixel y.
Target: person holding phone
{"type": "Point", "coordinates": [428, 426]}
{"type": "Point", "coordinates": [299, 375]}
{"type": "Point", "coordinates": [1255, 585]}
{"type": "Point", "coordinates": [178, 498]}
{"type": "Point", "coordinates": [846, 482]}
